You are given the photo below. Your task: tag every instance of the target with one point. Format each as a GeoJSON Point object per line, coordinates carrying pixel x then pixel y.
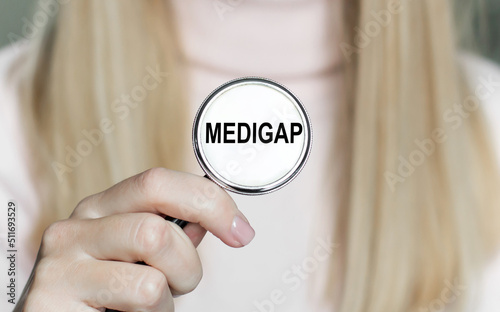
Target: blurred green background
{"type": "Point", "coordinates": [481, 17]}
{"type": "Point", "coordinates": [12, 13]}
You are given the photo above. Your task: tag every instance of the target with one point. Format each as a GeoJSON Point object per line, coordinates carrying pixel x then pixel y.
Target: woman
{"type": "Point", "coordinates": [397, 209]}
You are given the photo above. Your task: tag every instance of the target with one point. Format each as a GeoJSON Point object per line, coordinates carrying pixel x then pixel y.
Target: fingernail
{"type": "Point", "coordinates": [242, 231]}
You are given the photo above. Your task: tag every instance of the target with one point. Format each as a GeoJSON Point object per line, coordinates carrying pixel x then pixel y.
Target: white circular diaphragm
{"type": "Point", "coordinates": [252, 136]}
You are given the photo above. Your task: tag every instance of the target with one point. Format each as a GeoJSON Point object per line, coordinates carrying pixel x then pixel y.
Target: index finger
{"type": "Point", "coordinates": [176, 194]}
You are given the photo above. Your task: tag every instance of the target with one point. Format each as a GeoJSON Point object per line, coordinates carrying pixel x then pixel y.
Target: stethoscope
{"type": "Point", "coordinates": [251, 136]}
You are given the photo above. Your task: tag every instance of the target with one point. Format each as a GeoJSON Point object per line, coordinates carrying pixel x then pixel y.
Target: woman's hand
{"type": "Point", "coordinates": [89, 261]}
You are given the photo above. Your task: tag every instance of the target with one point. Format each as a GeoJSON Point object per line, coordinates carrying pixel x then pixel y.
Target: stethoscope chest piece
{"type": "Point", "coordinates": [252, 136]}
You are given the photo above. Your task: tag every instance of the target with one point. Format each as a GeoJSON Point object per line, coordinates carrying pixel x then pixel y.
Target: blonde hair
{"type": "Point", "coordinates": [403, 245]}
{"type": "Point", "coordinates": [95, 53]}
{"type": "Point", "coordinates": [399, 246]}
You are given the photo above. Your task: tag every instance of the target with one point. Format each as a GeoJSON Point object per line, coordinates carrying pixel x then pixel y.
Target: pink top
{"type": "Point", "coordinates": [294, 43]}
